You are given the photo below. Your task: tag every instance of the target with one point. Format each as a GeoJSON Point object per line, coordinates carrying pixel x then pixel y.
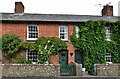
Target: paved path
{"type": "Point", "coordinates": [66, 77]}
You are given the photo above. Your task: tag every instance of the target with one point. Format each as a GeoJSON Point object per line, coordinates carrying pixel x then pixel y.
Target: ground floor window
{"type": "Point", "coordinates": [108, 57]}
{"type": "Point", "coordinates": [32, 56]}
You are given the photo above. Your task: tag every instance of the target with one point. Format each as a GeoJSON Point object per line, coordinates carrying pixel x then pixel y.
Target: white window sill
{"type": "Point", "coordinates": [32, 39]}
{"type": "Point", "coordinates": [64, 39]}
{"type": "Point", "coordinates": [108, 39]}
{"type": "Point", "coordinates": [108, 62]}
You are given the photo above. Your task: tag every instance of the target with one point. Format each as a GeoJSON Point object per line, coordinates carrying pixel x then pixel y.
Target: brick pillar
{"type": "Point", "coordinates": [71, 54]}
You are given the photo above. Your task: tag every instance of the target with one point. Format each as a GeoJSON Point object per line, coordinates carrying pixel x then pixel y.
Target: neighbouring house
{"type": "Point", "coordinates": [32, 26]}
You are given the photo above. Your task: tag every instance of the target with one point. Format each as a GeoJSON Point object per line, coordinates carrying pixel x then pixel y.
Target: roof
{"type": "Point", "coordinates": [53, 17]}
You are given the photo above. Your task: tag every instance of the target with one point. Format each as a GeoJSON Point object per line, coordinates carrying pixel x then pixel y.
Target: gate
{"type": "Point", "coordinates": [65, 68]}
{"type": "Point", "coordinates": [68, 70]}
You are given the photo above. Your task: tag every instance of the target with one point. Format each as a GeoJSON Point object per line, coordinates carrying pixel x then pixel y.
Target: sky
{"type": "Point", "coordinates": [75, 7]}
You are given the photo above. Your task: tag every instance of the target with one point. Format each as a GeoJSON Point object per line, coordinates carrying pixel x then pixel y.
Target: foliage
{"type": "Point", "coordinates": [93, 43]}
{"type": "Point", "coordinates": [116, 38]}
{"type": "Point", "coordinates": [47, 46]}
{"type": "Point", "coordinates": [28, 45]}
{"type": "Point", "coordinates": [10, 45]}
{"type": "Point", "coordinates": [22, 60]}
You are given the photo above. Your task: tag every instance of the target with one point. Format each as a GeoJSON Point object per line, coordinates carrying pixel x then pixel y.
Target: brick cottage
{"type": "Point", "coordinates": [50, 25]}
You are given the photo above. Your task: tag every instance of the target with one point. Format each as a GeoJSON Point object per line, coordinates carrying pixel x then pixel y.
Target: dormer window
{"type": "Point", "coordinates": [108, 34]}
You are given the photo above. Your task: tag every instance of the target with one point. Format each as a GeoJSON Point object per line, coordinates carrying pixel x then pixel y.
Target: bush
{"type": "Point", "coordinates": [22, 60]}
{"type": "Point", "coordinates": [10, 45]}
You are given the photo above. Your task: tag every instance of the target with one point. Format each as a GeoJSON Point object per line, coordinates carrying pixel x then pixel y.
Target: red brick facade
{"type": "Point", "coordinates": [45, 29]}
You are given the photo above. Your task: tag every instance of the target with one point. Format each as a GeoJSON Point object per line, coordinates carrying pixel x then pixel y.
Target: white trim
{"type": "Point", "coordinates": [108, 33]}
{"type": "Point", "coordinates": [32, 59]}
{"type": "Point", "coordinates": [77, 29]}
{"type": "Point", "coordinates": [26, 54]}
{"type": "Point", "coordinates": [66, 38]}
{"type": "Point", "coordinates": [28, 31]}
{"type": "Point", "coordinates": [106, 56]}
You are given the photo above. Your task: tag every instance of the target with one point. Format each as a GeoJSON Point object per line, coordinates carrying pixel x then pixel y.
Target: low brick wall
{"type": "Point", "coordinates": [31, 70]}
{"type": "Point", "coordinates": [107, 69]}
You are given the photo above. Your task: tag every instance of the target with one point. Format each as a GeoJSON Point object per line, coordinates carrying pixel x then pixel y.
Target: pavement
{"type": "Point", "coordinates": [62, 77]}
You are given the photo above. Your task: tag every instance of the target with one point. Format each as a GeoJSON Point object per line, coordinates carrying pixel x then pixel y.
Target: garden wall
{"type": "Point", "coordinates": [107, 69]}
{"type": "Point", "coordinates": [31, 70]}
{"type": "Point", "coordinates": [79, 70]}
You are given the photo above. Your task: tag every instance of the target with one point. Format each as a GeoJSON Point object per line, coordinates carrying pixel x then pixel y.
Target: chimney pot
{"type": "Point", "coordinates": [19, 7]}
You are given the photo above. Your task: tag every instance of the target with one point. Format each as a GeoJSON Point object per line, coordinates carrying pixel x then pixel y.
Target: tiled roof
{"type": "Point", "coordinates": [53, 17]}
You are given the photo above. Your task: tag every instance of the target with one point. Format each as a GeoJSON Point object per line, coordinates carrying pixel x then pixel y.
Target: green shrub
{"type": "Point", "coordinates": [10, 45]}
{"type": "Point", "coordinates": [22, 60]}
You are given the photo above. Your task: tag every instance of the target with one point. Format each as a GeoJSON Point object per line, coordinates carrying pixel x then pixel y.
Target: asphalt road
{"type": "Point", "coordinates": [66, 77]}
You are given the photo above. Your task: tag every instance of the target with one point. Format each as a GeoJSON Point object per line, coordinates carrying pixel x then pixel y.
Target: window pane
{"type": "Point", "coordinates": [62, 36]}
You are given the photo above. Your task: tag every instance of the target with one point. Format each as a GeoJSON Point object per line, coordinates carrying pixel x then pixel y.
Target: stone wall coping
{"type": "Point", "coordinates": [107, 64]}
{"type": "Point", "coordinates": [32, 64]}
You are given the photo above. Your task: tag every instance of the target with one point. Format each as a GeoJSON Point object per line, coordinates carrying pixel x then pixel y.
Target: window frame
{"type": "Point", "coordinates": [108, 33]}
{"type": "Point", "coordinates": [27, 51]}
{"type": "Point", "coordinates": [108, 57]}
{"type": "Point", "coordinates": [77, 29]}
{"type": "Point", "coordinates": [28, 31]}
{"type": "Point", "coordinates": [66, 38]}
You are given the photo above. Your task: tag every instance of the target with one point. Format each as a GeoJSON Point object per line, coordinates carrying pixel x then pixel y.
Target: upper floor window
{"type": "Point", "coordinates": [32, 32]}
{"type": "Point", "coordinates": [77, 31]}
{"type": "Point", "coordinates": [63, 32]}
{"type": "Point", "coordinates": [108, 34]}
{"type": "Point", "coordinates": [32, 56]}
{"type": "Point", "coordinates": [108, 57]}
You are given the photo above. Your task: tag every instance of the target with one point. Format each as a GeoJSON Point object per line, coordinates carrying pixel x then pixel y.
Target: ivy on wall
{"type": "Point", "coordinates": [92, 42]}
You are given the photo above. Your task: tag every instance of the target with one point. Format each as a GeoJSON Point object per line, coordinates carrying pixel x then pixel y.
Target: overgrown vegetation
{"type": "Point", "coordinates": [10, 45]}
{"type": "Point", "coordinates": [22, 60]}
{"type": "Point", "coordinates": [47, 46]}
{"type": "Point", "coordinates": [92, 42]}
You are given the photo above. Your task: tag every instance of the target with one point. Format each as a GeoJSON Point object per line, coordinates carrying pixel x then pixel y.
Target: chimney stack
{"type": "Point", "coordinates": [19, 7]}
{"type": "Point", "coordinates": [107, 10]}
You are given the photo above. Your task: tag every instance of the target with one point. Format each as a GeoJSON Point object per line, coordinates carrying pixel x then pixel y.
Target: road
{"type": "Point", "coordinates": [66, 77]}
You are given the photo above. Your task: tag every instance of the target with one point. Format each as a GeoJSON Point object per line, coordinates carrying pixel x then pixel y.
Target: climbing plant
{"type": "Point", "coordinates": [92, 42]}
{"type": "Point", "coordinates": [47, 46]}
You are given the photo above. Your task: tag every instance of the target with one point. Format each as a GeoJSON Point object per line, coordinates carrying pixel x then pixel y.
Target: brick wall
{"type": "Point", "coordinates": [108, 69]}
{"type": "Point", "coordinates": [13, 28]}
{"type": "Point", "coordinates": [45, 29]}
{"type": "Point", "coordinates": [54, 59]}
{"type": "Point", "coordinates": [31, 70]}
